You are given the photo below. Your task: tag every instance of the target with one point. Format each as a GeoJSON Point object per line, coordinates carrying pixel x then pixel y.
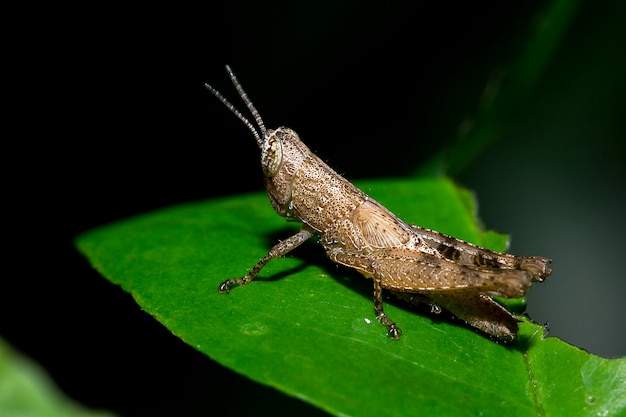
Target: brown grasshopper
{"type": "Point", "coordinates": [416, 264]}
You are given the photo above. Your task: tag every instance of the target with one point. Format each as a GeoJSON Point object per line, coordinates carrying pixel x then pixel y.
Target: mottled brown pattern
{"type": "Point", "coordinates": [417, 264]}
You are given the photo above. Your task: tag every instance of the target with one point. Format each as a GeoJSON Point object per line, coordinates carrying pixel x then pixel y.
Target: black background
{"type": "Point", "coordinates": [111, 119]}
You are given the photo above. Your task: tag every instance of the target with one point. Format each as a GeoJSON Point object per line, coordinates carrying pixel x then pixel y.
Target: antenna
{"type": "Point", "coordinates": [247, 101]}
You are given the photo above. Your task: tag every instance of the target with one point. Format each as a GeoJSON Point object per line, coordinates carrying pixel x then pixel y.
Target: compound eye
{"type": "Point", "coordinates": [271, 155]}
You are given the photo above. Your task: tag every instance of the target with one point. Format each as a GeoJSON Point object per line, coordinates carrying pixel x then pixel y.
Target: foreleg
{"type": "Point", "coordinates": [280, 249]}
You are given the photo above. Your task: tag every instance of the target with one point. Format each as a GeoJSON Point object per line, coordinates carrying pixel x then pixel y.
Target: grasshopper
{"type": "Point", "coordinates": [416, 264]}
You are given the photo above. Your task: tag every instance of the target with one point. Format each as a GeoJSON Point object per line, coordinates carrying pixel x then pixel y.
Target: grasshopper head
{"type": "Point", "coordinates": [282, 150]}
{"type": "Point", "coordinates": [282, 153]}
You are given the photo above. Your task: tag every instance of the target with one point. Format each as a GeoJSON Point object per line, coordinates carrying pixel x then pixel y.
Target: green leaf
{"type": "Point", "coordinates": [27, 391]}
{"type": "Point", "coordinates": [307, 327]}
